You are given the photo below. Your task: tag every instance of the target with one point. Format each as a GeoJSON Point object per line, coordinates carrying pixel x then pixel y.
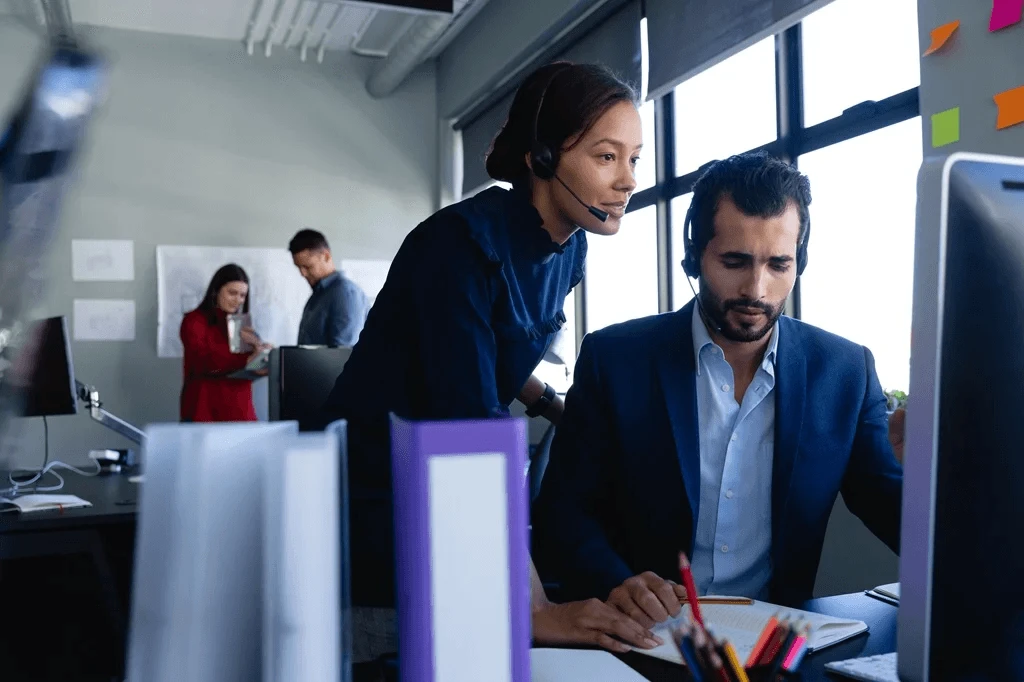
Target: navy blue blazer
{"type": "Point", "coordinates": [621, 491]}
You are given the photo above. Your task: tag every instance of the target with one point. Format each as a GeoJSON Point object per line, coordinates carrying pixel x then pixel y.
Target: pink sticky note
{"type": "Point", "coordinates": [1005, 13]}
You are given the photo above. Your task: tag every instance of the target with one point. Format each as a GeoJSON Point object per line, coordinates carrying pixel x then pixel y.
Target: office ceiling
{"type": "Point", "coordinates": [317, 25]}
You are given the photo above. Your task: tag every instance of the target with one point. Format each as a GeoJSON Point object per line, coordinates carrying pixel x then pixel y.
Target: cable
{"type": "Point", "coordinates": [27, 486]}
{"type": "Point", "coordinates": [46, 443]}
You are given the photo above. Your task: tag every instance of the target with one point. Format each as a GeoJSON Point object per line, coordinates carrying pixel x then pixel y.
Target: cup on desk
{"type": "Point", "coordinates": [236, 323]}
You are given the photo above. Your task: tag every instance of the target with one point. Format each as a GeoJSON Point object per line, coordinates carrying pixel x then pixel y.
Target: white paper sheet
{"type": "Point", "coordinates": [102, 260]}
{"type": "Point", "coordinates": [104, 319]}
{"type": "Point", "coordinates": [579, 665]}
{"type": "Point", "coordinates": [742, 625]}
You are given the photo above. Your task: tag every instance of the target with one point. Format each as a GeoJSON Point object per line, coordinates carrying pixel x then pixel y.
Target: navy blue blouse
{"type": "Point", "coordinates": [472, 301]}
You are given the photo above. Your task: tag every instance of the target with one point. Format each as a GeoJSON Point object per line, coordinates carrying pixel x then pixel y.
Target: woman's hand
{"type": "Point", "coordinates": [589, 622]}
{"type": "Point", "coordinates": [250, 337]}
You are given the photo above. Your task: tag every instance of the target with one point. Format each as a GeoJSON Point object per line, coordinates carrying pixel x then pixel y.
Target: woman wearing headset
{"type": "Point", "coordinates": [475, 296]}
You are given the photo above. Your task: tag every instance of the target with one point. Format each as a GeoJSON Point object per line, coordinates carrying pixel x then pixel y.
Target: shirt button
{"type": "Point", "coordinates": [725, 548]}
{"type": "Point", "coordinates": [725, 387]}
{"type": "Point", "coordinates": [733, 437]}
{"type": "Point", "coordinates": [728, 494]}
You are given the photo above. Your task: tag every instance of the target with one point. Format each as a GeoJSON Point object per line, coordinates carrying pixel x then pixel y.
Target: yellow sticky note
{"type": "Point", "coordinates": [946, 127]}
{"type": "Point", "coordinates": [1011, 108]}
{"type": "Point", "coordinates": [941, 35]}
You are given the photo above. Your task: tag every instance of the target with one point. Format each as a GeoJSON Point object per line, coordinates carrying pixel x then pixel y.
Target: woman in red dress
{"type": "Point", "coordinates": [208, 394]}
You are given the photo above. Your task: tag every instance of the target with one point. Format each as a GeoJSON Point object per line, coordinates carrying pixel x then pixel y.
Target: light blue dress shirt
{"type": "Point", "coordinates": [732, 550]}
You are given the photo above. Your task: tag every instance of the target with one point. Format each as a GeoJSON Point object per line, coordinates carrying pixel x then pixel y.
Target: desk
{"type": "Point", "coordinates": [879, 639]}
{"type": "Point", "coordinates": [82, 530]}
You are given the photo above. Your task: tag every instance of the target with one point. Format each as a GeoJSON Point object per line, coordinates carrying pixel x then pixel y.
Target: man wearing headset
{"type": "Point", "coordinates": [724, 430]}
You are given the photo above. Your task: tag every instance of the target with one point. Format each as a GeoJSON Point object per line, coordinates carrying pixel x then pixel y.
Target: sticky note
{"type": "Point", "coordinates": [941, 35]}
{"type": "Point", "coordinates": [946, 127]}
{"type": "Point", "coordinates": [1011, 108]}
{"type": "Point", "coordinates": [1005, 13]}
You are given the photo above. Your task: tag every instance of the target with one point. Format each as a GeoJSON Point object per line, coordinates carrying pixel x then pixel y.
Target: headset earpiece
{"type": "Point", "coordinates": [541, 161]}
{"type": "Point", "coordinates": [691, 260]}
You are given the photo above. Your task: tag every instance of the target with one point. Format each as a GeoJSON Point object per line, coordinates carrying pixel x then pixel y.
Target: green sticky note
{"type": "Point", "coordinates": [946, 127]}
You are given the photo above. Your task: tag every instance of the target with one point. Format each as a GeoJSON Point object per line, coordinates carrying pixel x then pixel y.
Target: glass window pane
{"type": "Point", "coordinates": [681, 292]}
{"type": "Point", "coordinates": [727, 109]}
{"type": "Point", "coordinates": [645, 172]}
{"type": "Point", "coordinates": [840, 70]}
{"type": "Point", "coordinates": [859, 276]}
{"type": "Point", "coordinates": [622, 271]}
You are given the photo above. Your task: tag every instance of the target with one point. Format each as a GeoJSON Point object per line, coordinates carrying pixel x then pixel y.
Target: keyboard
{"type": "Point", "coordinates": [881, 668]}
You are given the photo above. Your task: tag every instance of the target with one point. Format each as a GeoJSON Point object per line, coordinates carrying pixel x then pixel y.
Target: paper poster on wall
{"type": "Point", "coordinates": [104, 319]}
{"type": "Point", "coordinates": [370, 275]}
{"type": "Point", "coordinates": [277, 292]}
{"type": "Point", "coordinates": [102, 260]}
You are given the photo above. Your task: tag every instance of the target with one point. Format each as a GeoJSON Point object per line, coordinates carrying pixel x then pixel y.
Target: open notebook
{"type": "Point", "coordinates": [741, 625]}
{"type": "Point", "coordinates": [29, 503]}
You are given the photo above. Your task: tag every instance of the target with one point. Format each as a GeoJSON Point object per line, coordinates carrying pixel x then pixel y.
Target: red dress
{"type": "Point", "coordinates": [207, 395]}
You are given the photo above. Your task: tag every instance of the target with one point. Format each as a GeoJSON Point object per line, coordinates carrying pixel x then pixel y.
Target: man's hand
{"type": "Point", "coordinates": [647, 599]}
{"type": "Point", "coordinates": [589, 622]}
{"type": "Point", "coordinates": [897, 427]}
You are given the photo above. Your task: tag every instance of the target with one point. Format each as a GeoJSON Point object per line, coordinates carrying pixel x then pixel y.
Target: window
{"type": "Point", "coordinates": [857, 50]}
{"type": "Point", "coordinates": [681, 292]}
{"type": "Point", "coordinates": [622, 271]}
{"type": "Point", "coordinates": [859, 276]}
{"type": "Point", "coordinates": [727, 109]}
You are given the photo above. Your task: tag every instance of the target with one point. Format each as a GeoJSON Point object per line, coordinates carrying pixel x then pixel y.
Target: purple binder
{"type": "Point", "coordinates": [461, 550]}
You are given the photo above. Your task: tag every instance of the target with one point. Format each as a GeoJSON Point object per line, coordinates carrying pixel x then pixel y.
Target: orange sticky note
{"type": "Point", "coordinates": [941, 35]}
{"type": "Point", "coordinates": [1011, 108]}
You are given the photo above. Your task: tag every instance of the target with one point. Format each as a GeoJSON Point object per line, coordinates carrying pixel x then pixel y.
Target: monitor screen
{"type": "Point", "coordinates": [50, 386]}
{"type": "Point", "coordinates": [961, 597]}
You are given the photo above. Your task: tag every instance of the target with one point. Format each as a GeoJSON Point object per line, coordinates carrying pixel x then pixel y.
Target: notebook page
{"type": "Point", "coordinates": [741, 625]}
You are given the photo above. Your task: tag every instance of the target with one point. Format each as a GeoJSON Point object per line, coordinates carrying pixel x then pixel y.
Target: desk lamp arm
{"type": "Point", "coordinates": [91, 397]}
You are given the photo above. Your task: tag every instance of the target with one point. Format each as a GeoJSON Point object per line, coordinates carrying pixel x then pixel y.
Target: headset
{"type": "Point", "coordinates": [691, 258]}
{"type": "Point", "coordinates": [544, 159]}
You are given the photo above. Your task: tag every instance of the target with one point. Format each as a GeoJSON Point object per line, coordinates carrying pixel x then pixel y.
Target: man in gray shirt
{"type": "Point", "coordinates": [335, 313]}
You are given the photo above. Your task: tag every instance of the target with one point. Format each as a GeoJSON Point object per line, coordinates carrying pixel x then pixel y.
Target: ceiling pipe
{"type": "Point", "coordinates": [250, 33]}
{"type": "Point", "coordinates": [268, 41]}
{"type": "Point", "coordinates": [389, 73]}
{"type": "Point", "coordinates": [299, 6]}
{"type": "Point", "coordinates": [308, 42]}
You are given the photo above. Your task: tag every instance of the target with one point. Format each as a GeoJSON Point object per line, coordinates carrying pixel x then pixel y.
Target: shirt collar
{"type": "Point", "coordinates": [702, 339]}
{"type": "Point", "coordinates": [327, 281]}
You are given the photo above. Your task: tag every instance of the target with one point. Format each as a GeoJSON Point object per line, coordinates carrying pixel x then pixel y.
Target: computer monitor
{"type": "Point", "coordinates": [51, 386]}
{"type": "Point", "coordinates": [962, 556]}
{"type": "Point", "coordinates": [301, 378]}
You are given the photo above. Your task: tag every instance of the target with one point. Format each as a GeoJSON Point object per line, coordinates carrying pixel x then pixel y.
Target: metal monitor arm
{"type": "Point", "coordinates": [91, 397]}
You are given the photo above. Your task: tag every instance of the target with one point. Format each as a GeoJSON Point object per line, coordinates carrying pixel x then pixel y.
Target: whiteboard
{"type": "Point", "coordinates": [277, 292]}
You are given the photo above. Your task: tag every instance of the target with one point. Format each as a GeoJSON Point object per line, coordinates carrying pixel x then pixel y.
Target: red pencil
{"type": "Point", "coordinates": [691, 589]}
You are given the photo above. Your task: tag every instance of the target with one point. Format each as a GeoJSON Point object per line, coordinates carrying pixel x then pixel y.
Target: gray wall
{"type": "Point", "coordinates": [972, 68]}
{"type": "Point", "coordinates": [202, 144]}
